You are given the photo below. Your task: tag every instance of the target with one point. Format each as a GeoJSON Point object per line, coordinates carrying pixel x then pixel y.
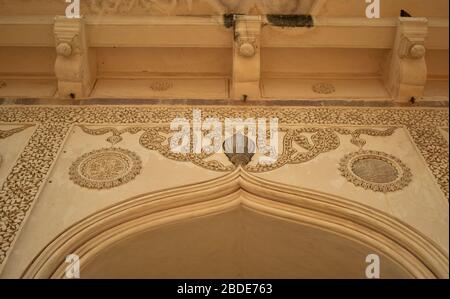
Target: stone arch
{"type": "Point", "coordinates": [406, 250]}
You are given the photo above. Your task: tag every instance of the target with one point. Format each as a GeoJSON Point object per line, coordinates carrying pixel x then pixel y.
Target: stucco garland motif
{"type": "Point", "coordinates": [157, 139]}
{"type": "Point", "coordinates": [375, 170]}
{"type": "Point", "coordinates": [322, 140]}
{"type": "Point", "coordinates": [21, 186]}
{"type": "Point", "coordinates": [105, 168]}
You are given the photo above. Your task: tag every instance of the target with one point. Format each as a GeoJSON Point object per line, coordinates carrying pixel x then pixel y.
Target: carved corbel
{"type": "Point", "coordinates": [246, 57]}
{"type": "Point", "coordinates": [74, 66]}
{"type": "Point", "coordinates": [407, 72]}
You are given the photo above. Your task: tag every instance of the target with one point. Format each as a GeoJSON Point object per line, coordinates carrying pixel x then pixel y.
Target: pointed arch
{"type": "Point", "coordinates": [415, 253]}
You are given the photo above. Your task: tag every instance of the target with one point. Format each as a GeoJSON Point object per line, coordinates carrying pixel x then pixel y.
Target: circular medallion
{"type": "Point", "coordinates": [161, 85]}
{"type": "Point", "coordinates": [105, 168]}
{"type": "Point", "coordinates": [247, 50]}
{"type": "Point", "coordinates": [64, 49]}
{"type": "Point", "coordinates": [323, 88]}
{"type": "Point", "coordinates": [375, 170]}
{"type": "Point", "coordinates": [417, 51]}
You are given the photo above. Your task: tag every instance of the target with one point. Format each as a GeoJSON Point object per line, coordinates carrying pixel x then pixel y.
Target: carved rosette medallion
{"type": "Point", "coordinates": [64, 49]}
{"type": "Point", "coordinates": [161, 85]}
{"type": "Point", "coordinates": [105, 168]}
{"type": "Point", "coordinates": [375, 170]}
{"type": "Point", "coordinates": [323, 88]}
{"type": "Point", "coordinates": [417, 51]}
{"type": "Point", "coordinates": [247, 49]}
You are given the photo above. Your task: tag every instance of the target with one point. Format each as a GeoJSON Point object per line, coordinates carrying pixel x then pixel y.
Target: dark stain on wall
{"type": "Point", "coordinates": [228, 20]}
{"type": "Point", "coordinates": [291, 20]}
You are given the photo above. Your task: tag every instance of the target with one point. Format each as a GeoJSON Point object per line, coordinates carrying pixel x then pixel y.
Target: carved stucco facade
{"type": "Point", "coordinates": [43, 191]}
{"type": "Point", "coordinates": [101, 181]}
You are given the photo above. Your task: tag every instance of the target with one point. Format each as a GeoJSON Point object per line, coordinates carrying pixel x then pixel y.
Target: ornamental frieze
{"type": "Point", "coordinates": [321, 140]}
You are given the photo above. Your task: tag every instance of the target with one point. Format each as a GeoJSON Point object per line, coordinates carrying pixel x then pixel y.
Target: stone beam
{"type": "Point", "coordinates": [406, 73]}
{"type": "Point", "coordinates": [75, 66]}
{"type": "Point", "coordinates": [137, 31]}
{"type": "Point", "coordinates": [211, 32]}
{"type": "Point", "coordinates": [317, 7]}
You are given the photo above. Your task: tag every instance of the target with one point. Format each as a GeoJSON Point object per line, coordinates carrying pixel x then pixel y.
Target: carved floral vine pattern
{"type": "Point", "coordinates": [20, 188]}
{"type": "Point", "coordinates": [322, 140]}
{"type": "Point", "coordinates": [26, 177]}
{"type": "Point", "coordinates": [157, 139]}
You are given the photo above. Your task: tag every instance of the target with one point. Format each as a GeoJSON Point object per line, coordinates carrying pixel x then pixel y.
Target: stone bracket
{"type": "Point", "coordinates": [75, 62]}
{"type": "Point", "coordinates": [406, 74]}
{"type": "Point", "coordinates": [246, 57]}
